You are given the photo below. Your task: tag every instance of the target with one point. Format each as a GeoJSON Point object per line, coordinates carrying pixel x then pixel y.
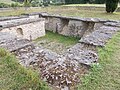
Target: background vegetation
{"type": "Point", "coordinates": [111, 5]}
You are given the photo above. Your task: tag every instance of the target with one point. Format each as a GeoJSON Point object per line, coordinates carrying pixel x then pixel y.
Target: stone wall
{"type": "Point", "coordinates": [72, 26]}
{"type": "Point", "coordinates": [25, 28]}
{"type": "Point", "coordinates": [61, 70]}
{"type": "Point", "coordinates": [65, 26]}
{"type": "Point", "coordinates": [12, 17]}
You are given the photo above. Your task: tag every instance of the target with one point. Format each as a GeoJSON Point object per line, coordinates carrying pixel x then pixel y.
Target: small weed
{"type": "Point", "coordinates": [3, 52]}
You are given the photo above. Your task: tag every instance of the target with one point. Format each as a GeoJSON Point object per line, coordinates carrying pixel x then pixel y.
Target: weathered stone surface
{"type": "Point", "coordinates": [11, 42]}
{"type": "Point", "coordinates": [51, 24]}
{"type": "Point", "coordinates": [55, 69]}
{"type": "Point", "coordinates": [95, 20]}
{"type": "Point", "coordinates": [26, 56]}
{"type": "Point", "coordinates": [61, 70]}
{"type": "Point", "coordinates": [114, 24]}
{"type": "Point", "coordinates": [75, 28]}
{"type": "Point", "coordinates": [4, 37]}
{"type": "Point", "coordinates": [89, 28]}
{"type": "Point", "coordinates": [100, 37]}
{"type": "Point", "coordinates": [24, 28]}
{"type": "Point", "coordinates": [85, 54]}
{"type": "Point", "coordinates": [16, 22]}
{"type": "Point", "coordinates": [68, 27]}
{"type": "Point", "coordinates": [18, 44]}
{"type": "Point", "coordinates": [97, 26]}
{"type": "Point", "coordinates": [34, 15]}
{"type": "Point", "coordinates": [12, 17]}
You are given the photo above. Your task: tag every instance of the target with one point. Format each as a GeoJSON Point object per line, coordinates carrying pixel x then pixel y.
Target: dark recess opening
{"type": "Point", "coordinates": [19, 31]}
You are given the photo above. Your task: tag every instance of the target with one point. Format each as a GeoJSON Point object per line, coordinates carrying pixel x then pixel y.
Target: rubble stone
{"type": "Point", "coordinates": [61, 70]}
{"type": "Point", "coordinates": [11, 42]}
{"type": "Point", "coordinates": [101, 36]}
{"type": "Point", "coordinates": [55, 69]}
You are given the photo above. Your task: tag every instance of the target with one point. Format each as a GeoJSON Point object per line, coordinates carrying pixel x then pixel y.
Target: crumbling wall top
{"type": "Point", "coordinates": [12, 17]}
{"type": "Point", "coordinates": [16, 22]}
{"type": "Point", "coordinates": [95, 20]}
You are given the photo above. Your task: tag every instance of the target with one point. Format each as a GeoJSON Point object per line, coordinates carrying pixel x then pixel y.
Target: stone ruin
{"type": "Point", "coordinates": [60, 70]}
{"type": "Point", "coordinates": [26, 28]}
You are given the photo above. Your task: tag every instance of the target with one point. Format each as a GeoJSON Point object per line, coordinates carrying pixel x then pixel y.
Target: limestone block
{"type": "Point", "coordinates": [76, 28]}
{"type": "Point", "coordinates": [101, 36]}
{"type": "Point", "coordinates": [11, 42]}
{"type": "Point", "coordinates": [64, 30]}
{"type": "Point", "coordinates": [52, 24]}
{"type": "Point", "coordinates": [28, 31]}
{"type": "Point", "coordinates": [90, 28]}
{"type": "Point", "coordinates": [97, 25]}
{"type": "Point", "coordinates": [115, 24]}
{"type": "Point", "coordinates": [33, 16]}
{"type": "Point", "coordinates": [62, 26]}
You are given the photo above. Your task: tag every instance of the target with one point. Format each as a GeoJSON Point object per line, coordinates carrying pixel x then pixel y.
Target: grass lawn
{"type": "Point", "coordinates": [66, 12]}
{"type": "Point", "coordinates": [15, 77]}
{"type": "Point", "coordinates": [56, 42]}
{"type": "Point", "coordinates": [106, 75]}
{"type": "Point", "coordinates": [96, 5]}
{"type": "Point", "coordinates": [103, 76]}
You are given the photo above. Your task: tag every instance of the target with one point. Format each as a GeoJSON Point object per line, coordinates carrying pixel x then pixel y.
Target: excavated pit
{"type": "Point", "coordinates": [56, 42]}
{"type": "Point", "coordinates": [55, 69]}
{"type": "Point", "coordinates": [63, 70]}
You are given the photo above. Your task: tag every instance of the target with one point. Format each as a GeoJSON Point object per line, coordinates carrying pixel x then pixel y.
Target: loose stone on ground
{"type": "Point", "coordinates": [63, 70]}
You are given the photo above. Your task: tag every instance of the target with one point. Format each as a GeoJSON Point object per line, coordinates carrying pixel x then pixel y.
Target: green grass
{"type": "Point", "coordinates": [96, 5]}
{"type": "Point", "coordinates": [14, 77]}
{"type": "Point", "coordinates": [66, 12]}
{"type": "Point", "coordinates": [106, 74]}
{"type": "Point", "coordinates": [56, 42]}
{"type": "Point", "coordinates": [66, 40]}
